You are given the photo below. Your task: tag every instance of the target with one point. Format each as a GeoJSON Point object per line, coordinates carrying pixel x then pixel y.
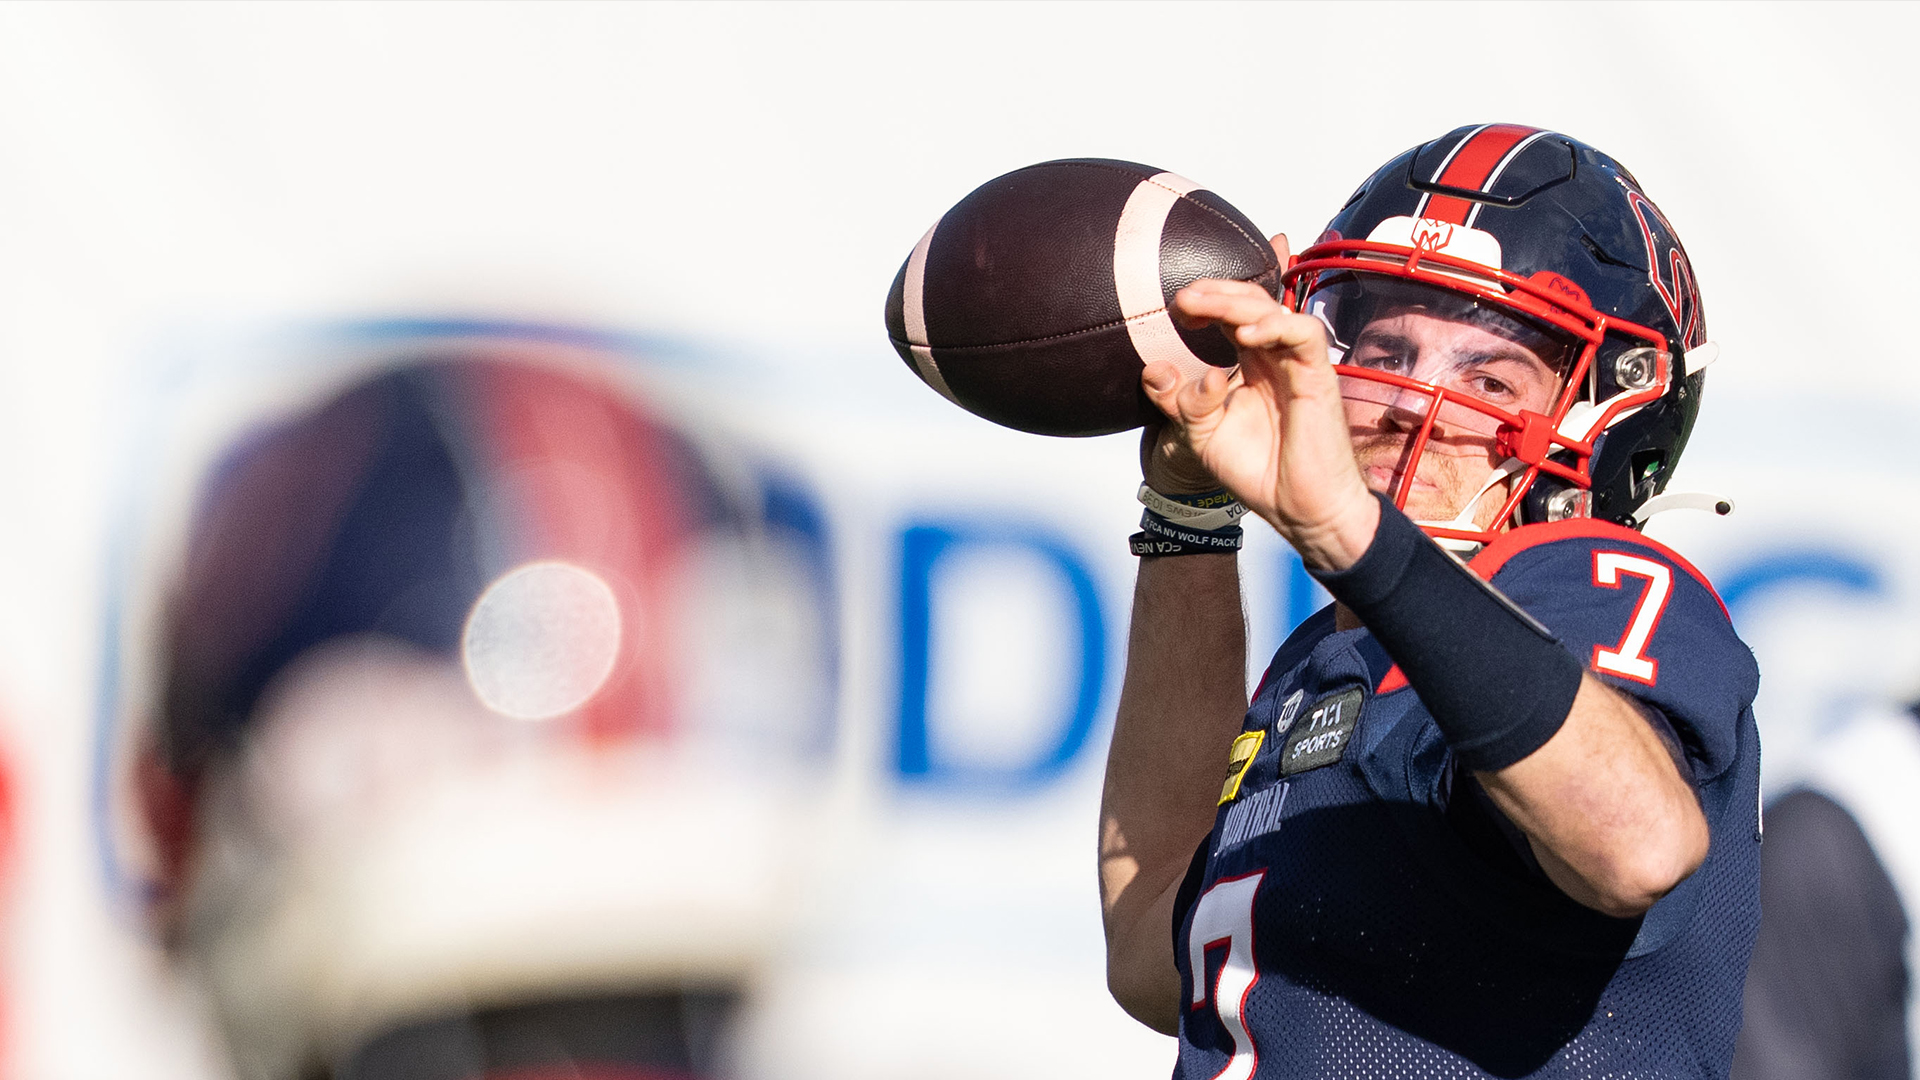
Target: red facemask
{"type": "Point", "coordinates": [1357, 287]}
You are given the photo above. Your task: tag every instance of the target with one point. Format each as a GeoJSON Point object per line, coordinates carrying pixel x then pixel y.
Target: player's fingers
{"type": "Point", "coordinates": [1208, 293]}
{"type": "Point", "coordinates": [1189, 322]}
{"type": "Point", "coordinates": [1279, 328]}
{"type": "Point", "coordinates": [1161, 381]}
{"type": "Point", "coordinates": [1237, 305]}
{"type": "Point", "coordinates": [1281, 249]}
{"type": "Point", "coordinates": [1232, 285]}
{"type": "Point", "coordinates": [1199, 398]}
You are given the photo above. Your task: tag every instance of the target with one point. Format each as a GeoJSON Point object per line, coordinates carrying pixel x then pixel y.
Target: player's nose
{"type": "Point", "coordinates": [1406, 410]}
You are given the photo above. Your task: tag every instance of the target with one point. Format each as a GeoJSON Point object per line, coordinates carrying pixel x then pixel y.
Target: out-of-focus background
{"type": "Point", "coordinates": [859, 842]}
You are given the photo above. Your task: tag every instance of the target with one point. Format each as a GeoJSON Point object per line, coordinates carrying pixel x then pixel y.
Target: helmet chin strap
{"type": "Point", "coordinates": [1464, 520]}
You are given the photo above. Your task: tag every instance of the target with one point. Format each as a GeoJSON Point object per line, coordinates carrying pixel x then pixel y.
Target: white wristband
{"type": "Point", "coordinates": [1204, 518]}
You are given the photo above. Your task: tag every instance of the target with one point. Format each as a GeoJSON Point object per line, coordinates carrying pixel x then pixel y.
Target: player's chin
{"type": "Point", "coordinates": [1439, 498]}
{"type": "Point", "coordinates": [1431, 508]}
{"type": "Point", "coordinates": [1450, 500]}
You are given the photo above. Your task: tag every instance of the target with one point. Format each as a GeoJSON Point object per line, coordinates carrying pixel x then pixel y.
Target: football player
{"type": "Point", "coordinates": [1495, 817]}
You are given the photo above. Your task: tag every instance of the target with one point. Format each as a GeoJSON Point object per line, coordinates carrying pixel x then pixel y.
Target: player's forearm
{"type": "Point", "coordinates": [1573, 763]}
{"type": "Point", "coordinates": [1610, 818]}
{"type": "Point", "coordinates": [1180, 707]}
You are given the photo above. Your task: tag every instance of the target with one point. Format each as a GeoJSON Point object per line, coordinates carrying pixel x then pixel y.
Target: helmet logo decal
{"type": "Point", "coordinates": [1561, 286]}
{"type": "Point", "coordinates": [1430, 236]}
{"type": "Point", "coordinates": [1474, 164]}
{"type": "Point", "coordinates": [1668, 269]}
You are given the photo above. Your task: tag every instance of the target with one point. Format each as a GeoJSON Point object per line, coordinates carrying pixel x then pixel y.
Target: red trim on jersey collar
{"type": "Point", "coordinates": [1496, 555]}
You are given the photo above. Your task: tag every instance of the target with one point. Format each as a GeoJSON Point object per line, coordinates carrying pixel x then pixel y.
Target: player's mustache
{"type": "Point", "coordinates": [1442, 459]}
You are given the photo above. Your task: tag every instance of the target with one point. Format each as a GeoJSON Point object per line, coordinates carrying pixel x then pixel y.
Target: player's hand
{"type": "Point", "coordinates": [1169, 465]}
{"type": "Point", "coordinates": [1276, 435]}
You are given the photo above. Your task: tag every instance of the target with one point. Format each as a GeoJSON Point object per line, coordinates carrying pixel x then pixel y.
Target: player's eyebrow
{"type": "Point", "coordinates": [1514, 354]}
{"type": "Point", "coordinates": [1385, 339]}
{"type": "Point", "coordinates": [1399, 344]}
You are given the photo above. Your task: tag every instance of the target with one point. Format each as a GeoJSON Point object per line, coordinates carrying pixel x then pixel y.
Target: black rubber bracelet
{"type": "Point", "coordinates": [1497, 683]}
{"type": "Point", "coordinates": [1227, 539]}
{"type": "Point", "coordinates": [1147, 544]}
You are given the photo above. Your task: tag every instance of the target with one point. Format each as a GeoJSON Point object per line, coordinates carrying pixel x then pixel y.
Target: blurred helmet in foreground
{"type": "Point", "coordinates": [484, 689]}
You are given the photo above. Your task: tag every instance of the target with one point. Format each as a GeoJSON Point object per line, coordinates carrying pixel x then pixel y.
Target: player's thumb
{"type": "Point", "coordinates": [1201, 397]}
{"type": "Point", "coordinates": [1161, 381]}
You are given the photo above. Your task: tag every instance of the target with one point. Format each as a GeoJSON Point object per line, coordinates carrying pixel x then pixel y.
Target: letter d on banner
{"type": "Point", "coordinates": [923, 547]}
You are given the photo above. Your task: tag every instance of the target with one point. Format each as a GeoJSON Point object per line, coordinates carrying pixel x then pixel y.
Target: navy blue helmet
{"type": "Point", "coordinates": [1549, 242]}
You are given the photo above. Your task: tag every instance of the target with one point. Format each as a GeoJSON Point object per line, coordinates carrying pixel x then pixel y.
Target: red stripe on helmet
{"type": "Point", "coordinates": [1447, 208]}
{"type": "Point", "coordinates": [1470, 167]}
{"type": "Point", "coordinates": [595, 487]}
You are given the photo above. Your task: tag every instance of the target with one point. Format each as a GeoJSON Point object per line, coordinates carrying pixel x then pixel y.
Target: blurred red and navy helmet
{"type": "Point", "coordinates": [1546, 240]}
{"type": "Point", "coordinates": [482, 686]}
{"type": "Point", "coordinates": [533, 523]}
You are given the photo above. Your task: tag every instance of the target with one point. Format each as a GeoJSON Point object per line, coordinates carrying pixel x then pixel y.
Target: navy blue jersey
{"type": "Point", "coordinates": [1361, 911]}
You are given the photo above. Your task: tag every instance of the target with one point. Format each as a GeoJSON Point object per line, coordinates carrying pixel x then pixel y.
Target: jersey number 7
{"type": "Point", "coordinates": [1629, 659]}
{"type": "Point", "coordinates": [1223, 918]}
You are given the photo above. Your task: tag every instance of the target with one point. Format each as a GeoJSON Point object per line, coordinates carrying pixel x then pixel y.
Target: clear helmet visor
{"type": "Point", "coordinates": [1435, 383]}
{"type": "Point", "coordinates": [1414, 347]}
{"type": "Point", "coordinates": [1455, 416]}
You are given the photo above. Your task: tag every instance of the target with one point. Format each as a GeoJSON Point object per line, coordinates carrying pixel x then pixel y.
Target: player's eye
{"type": "Point", "coordinates": [1487, 386]}
{"type": "Point", "coordinates": [1381, 358]}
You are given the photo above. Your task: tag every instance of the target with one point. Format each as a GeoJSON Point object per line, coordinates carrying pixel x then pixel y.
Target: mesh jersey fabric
{"type": "Point", "coordinates": [1343, 927]}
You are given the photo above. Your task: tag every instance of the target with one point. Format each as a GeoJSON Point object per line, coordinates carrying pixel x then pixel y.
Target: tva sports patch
{"type": "Point", "coordinates": [1320, 736]}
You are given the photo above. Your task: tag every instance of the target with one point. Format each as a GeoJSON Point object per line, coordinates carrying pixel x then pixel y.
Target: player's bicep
{"type": "Point", "coordinates": [1663, 729]}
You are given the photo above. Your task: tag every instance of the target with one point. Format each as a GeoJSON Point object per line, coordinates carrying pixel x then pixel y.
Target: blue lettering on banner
{"type": "Point", "coordinates": [792, 512]}
{"type": "Point", "coordinates": [922, 546]}
{"type": "Point", "coordinates": [1810, 566]}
